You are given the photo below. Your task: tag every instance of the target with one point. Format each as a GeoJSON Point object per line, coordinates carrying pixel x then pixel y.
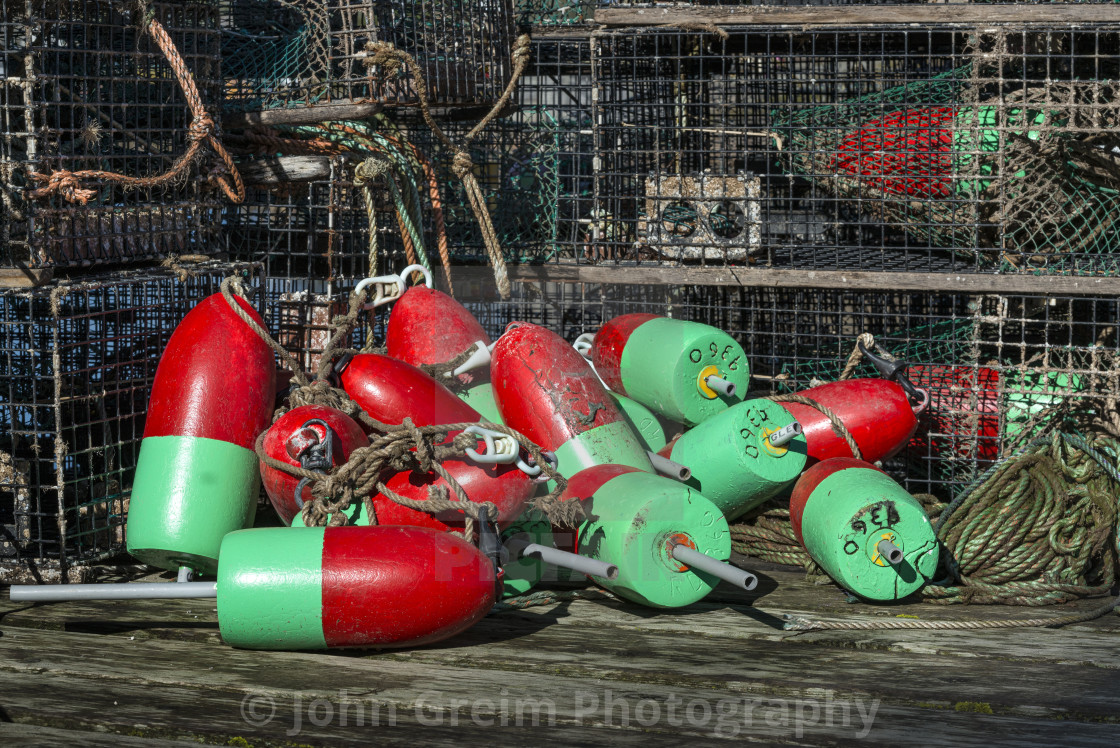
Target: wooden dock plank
{"type": "Point", "coordinates": [187, 690]}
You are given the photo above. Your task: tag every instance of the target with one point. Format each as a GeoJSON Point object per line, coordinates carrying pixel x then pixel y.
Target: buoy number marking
{"type": "Point", "coordinates": [882, 515]}
{"type": "Point", "coordinates": [758, 419]}
{"type": "Point", "coordinates": [714, 352]}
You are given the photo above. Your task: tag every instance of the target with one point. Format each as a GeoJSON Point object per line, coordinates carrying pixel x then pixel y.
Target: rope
{"type": "Point", "coordinates": [798, 623]}
{"type": "Point", "coordinates": [68, 184]}
{"type": "Point", "coordinates": [395, 447]}
{"type": "Point", "coordinates": [549, 597]}
{"type": "Point", "coordinates": [391, 60]}
{"type": "Point", "coordinates": [837, 425]}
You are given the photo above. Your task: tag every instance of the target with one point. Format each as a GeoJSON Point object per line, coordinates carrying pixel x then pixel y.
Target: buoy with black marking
{"type": "Point", "coordinates": [870, 535]}
{"type": "Point", "coordinates": [642, 420]}
{"type": "Point", "coordinates": [313, 437]}
{"type": "Point", "coordinates": [686, 371]}
{"type": "Point", "coordinates": [670, 544]}
{"type": "Point", "coordinates": [196, 476]}
{"type": "Point", "coordinates": [327, 587]}
{"type": "Point", "coordinates": [742, 456]}
{"type": "Point", "coordinates": [548, 392]}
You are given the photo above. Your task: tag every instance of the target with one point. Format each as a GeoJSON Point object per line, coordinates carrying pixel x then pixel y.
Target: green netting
{"type": "Point", "coordinates": [1015, 172]}
{"type": "Point", "coordinates": [553, 12]}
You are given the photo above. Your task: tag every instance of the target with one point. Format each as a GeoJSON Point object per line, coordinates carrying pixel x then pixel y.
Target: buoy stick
{"type": "Point", "coordinates": [556, 557]}
{"type": "Point", "coordinates": [715, 567]}
{"type": "Point", "coordinates": [891, 552]}
{"type": "Point", "coordinates": [785, 434]}
{"type": "Point", "coordinates": [720, 385]}
{"type": "Point", "coordinates": [668, 468]}
{"type": "Point", "coordinates": [33, 593]}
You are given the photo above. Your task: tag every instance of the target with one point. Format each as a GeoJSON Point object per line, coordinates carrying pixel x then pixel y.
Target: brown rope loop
{"type": "Point", "coordinates": [202, 127]}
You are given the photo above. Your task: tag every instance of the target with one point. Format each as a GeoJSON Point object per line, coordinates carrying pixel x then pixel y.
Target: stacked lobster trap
{"type": "Point", "coordinates": [87, 90]}
{"type": "Point", "coordinates": [77, 360]}
{"type": "Point", "coordinates": [109, 110]}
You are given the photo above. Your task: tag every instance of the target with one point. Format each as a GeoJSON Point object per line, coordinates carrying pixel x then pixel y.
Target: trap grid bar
{"type": "Point", "coordinates": [1001, 369]}
{"type": "Point", "coordinates": [83, 87]}
{"type": "Point", "coordinates": [862, 148]}
{"type": "Point", "coordinates": [77, 361]}
{"type": "Point", "coordinates": [306, 53]}
{"type": "Point", "coordinates": [549, 14]}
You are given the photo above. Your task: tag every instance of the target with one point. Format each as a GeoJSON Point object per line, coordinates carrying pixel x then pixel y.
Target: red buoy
{"type": "Point", "coordinates": [427, 326]}
{"type": "Point", "coordinates": [547, 391]}
{"type": "Point", "coordinates": [907, 152]}
{"type": "Point", "coordinates": [314, 436]}
{"type": "Point", "coordinates": [197, 477]}
{"type": "Point", "coordinates": [877, 412]}
{"type": "Point", "coordinates": [390, 391]}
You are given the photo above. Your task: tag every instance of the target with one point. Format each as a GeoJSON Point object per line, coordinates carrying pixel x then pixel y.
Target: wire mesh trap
{"type": "Point", "coordinates": [305, 53]}
{"type": "Point", "coordinates": [877, 148]}
{"type": "Point", "coordinates": [77, 361]}
{"type": "Point", "coordinates": [83, 87]}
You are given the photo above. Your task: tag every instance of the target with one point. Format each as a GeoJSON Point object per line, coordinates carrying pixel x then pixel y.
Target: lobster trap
{"type": "Point", "coordinates": [321, 53]}
{"type": "Point", "coordinates": [85, 88]}
{"type": "Point", "coordinates": [874, 148]}
{"type": "Point", "coordinates": [78, 361]}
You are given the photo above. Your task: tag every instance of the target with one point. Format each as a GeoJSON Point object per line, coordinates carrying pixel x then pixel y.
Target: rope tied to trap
{"type": "Point", "coordinates": [393, 61]}
{"type": "Point", "coordinates": [202, 131]}
{"type": "Point", "coordinates": [394, 448]}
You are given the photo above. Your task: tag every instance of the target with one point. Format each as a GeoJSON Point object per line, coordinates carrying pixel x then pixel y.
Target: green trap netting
{"type": "Point", "coordinates": [1025, 176]}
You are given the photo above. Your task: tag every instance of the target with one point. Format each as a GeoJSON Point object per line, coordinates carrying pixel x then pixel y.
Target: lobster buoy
{"type": "Point", "coordinates": [429, 327]}
{"type": "Point", "coordinates": [876, 412]}
{"type": "Point", "coordinates": [196, 476]}
{"type": "Point", "coordinates": [548, 392]}
{"type": "Point", "coordinates": [523, 573]}
{"type": "Point", "coordinates": [743, 456]}
{"type": "Point", "coordinates": [863, 529]}
{"type": "Point", "coordinates": [327, 587]}
{"type": "Point", "coordinates": [686, 371]}
{"type": "Point", "coordinates": [642, 421]}
{"type": "Point", "coordinates": [389, 391]}
{"type": "Point", "coordinates": [638, 522]}
{"type": "Point", "coordinates": [314, 437]}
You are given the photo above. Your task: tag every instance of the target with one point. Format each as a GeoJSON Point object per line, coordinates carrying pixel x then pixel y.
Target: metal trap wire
{"type": "Point", "coordinates": [83, 87]}
{"type": "Point", "coordinates": [77, 361]}
{"type": "Point", "coordinates": [313, 53]}
{"type": "Point", "coordinates": [871, 148]}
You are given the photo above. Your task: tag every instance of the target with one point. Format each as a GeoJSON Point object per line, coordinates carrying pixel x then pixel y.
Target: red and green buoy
{"type": "Point", "coordinates": [867, 533]}
{"type": "Point", "coordinates": [742, 456]}
{"type": "Point", "coordinates": [670, 544]}
{"type": "Point", "coordinates": [548, 392]}
{"type": "Point", "coordinates": [197, 477]}
{"type": "Point", "coordinates": [685, 371]}
{"type": "Point", "coordinates": [314, 437]}
{"type": "Point", "coordinates": [327, 587]}
{"type": "Point", "coordinates": [429, 327]}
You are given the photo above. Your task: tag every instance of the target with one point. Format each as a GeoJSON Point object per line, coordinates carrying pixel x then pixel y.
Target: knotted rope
{"type": "Point", "coordinates": [68, 184]}
{"type": "Point", "coordinates": [396, 448]}
{"type": "Point", "coordinates": [390, 61]}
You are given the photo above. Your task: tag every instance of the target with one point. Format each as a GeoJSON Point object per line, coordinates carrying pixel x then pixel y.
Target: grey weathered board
{"type": "Point", "coordinates": [156, 672]}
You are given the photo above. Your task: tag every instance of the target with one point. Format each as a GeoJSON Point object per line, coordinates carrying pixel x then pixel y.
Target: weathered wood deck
{"type": "Point", "coordinates": [127, 674]}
